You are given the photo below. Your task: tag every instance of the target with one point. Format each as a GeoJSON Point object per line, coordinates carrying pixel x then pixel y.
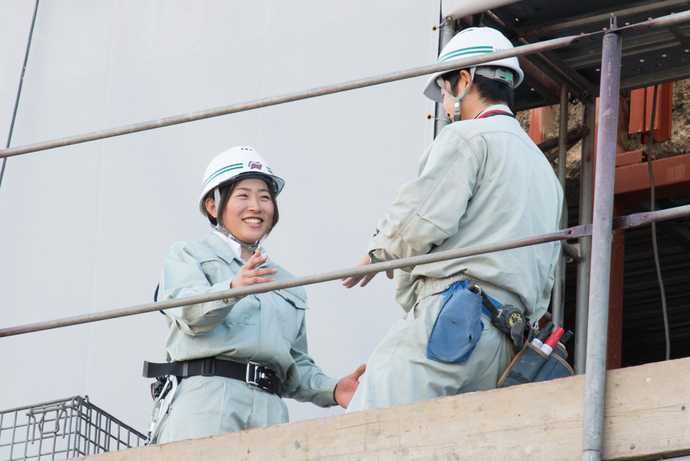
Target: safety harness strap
{"type": "Point", "coordinates": [251, 373]}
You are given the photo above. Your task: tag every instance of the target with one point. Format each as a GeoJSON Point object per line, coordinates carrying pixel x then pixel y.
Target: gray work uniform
{"type": "Point", "coordinates": [267, 328]}
{"type": "Point", "coordinates": [480, 182]}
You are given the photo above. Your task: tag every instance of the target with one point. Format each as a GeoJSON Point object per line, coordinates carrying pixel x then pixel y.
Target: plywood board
{"type": "Point", "coordinates": [647, 414]}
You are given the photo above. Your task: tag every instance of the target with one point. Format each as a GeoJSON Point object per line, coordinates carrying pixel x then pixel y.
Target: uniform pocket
{"type": "Point", "coordinates": [458, 327]}
{"type": "Point", "coordinates": [295, 296]}
{"type": "Point", "coordinates": [290, 311]}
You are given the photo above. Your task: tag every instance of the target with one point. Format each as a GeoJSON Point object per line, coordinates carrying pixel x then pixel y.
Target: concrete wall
{"type": "Point", "coordinates": [85, 228]}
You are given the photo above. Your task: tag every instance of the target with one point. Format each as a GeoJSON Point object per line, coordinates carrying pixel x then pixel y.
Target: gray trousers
{"type": "Point", "coordinates": [205, 406]}
{"type": "Point", "coordinates": [399, 371]}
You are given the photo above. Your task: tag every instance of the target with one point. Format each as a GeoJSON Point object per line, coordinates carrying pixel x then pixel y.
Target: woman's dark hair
{"type": "Point", "coordinates": [490, 91]}
{"type": "Point", "coordinates": [226, 192]}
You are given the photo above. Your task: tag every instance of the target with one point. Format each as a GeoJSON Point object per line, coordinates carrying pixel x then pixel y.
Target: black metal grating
{"type": "Point", "coordinates": [62, 429]}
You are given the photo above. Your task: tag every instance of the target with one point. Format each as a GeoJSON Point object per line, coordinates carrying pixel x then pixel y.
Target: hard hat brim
{"type": "Point", "coordinates": [275, 182]}
{"type": "Point", "coordinates": [474, 41]}
{"type": "Point", "coordinates": [432, 90]}
{"type": "Point", "coordinates": [236, 164]}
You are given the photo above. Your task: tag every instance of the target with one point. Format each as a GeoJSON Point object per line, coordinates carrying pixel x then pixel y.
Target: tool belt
{"type": "Point", "coordinates": [253, 374]}
{"type": "Point", "coordinates": [532, 366]}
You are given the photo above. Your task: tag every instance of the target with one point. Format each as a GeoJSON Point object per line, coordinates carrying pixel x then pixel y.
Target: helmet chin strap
{"type": "Point", "coordinates": [457, 100]}
{"type": "Point", "coordinates": [220, 228]}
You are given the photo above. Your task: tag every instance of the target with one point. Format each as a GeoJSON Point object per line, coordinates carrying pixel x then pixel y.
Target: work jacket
{"type": "Point", "coordinates": [267, 328]}
{"type": "Point", "coordinates": [480, 182]}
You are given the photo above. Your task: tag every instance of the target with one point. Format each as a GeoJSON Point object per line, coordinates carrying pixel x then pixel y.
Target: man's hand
{"type": "Point", "coordinates": [352, 281]}
{"type": "Point", "coordinates": [249, 274]}
{"type": "Point", "coordinates": [346, 387]}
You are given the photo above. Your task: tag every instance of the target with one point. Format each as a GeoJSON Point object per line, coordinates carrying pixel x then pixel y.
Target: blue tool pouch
{"type": "Point", "coordinates": [555, 367]}
{"type": "Point", "coordinates": [524, 367]}
{"type": "Point", "coordinates": [531, 366]}
{"type": "Point", "coordinates": [458, 327]}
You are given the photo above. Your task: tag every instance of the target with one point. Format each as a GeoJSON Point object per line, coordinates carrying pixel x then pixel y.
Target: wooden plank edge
{"type": "Point", "coordinates": [647, 416]}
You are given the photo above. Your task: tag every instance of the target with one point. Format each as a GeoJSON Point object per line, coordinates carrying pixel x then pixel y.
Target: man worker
{"type": "Point", "coordinates": [482, 181]}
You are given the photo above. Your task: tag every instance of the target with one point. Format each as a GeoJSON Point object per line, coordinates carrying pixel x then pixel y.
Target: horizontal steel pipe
{"type": "Point", "coordinates": [663, 21]}
{"type": "Point", "coordinates": [648, 217]}
{"type": "Point", "coordinates": [589, 19]}
{"type": "Point", "coordinates": [624, 222]}
{"type": "Point", "coordinates": [272, 101]}
{"type": "Point", "coordinates": [573, 232]}
{"type": "Point", "coordinates": [351, 85]}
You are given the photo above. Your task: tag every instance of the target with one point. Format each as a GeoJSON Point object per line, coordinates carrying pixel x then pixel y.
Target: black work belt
{"type": "Point", "coordinates": [251, 373]}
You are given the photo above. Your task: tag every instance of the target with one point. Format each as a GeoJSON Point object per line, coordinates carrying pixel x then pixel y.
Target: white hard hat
{"type": "Point", "coordinates": [470, 42]}
{"type": "Point", "coordinates": [240, 162]}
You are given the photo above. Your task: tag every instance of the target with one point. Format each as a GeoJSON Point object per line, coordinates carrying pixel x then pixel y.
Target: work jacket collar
{"type": "Point", "coordinates": [235, 247]}
{"type": "Point", "coordinates": [495, 107]}
{"type": "Point", "coordinates": [221, 248]}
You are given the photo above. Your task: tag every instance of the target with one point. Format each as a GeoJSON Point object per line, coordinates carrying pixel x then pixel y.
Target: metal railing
{"type": "Point", "coordinates": [291, 97]}
{"type": "Point", "coordinates": [338, 88]}
{"type": "Point", "coordinates": [624, 222]}
{"type": "Point", "coordinates": [593, 267]}
{"type": "Point", "coordinates": [62, 429]}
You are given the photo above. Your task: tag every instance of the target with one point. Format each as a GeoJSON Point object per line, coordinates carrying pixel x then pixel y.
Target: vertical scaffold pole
{"type": "Point", "coordinates": [3, 162]}
{"type": "Point", "coordinates": [583, 267]}
{"type": "Point", "coordinates": [595, 381]}
{"type": "Point", "coordinates": [558, 295]}
{"type": "Point", "coordinates": [446, 31]}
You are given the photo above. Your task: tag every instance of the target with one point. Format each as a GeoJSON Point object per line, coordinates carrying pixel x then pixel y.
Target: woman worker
{"type": "Point", "coordinates": [240, 355]}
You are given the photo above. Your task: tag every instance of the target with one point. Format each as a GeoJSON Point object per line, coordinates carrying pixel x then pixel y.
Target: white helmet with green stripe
{"type": "Point", "coordinates": [236, 164]}
{"type": "Point", "coordinates": [471, 42]}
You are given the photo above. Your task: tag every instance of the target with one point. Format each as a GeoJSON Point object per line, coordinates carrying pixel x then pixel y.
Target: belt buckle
{"type": "Point", "coordinates": [256, 376]}
{"type": "Point", "coordinates": [208, 367]}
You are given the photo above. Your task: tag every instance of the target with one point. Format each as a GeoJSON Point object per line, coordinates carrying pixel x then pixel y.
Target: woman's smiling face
{"type": "Point", "coordinates": [248, 214]}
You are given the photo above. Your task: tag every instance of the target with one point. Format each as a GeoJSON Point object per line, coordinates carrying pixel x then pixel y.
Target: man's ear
{"type": "Point", "coordinates": [463, 82]}
{"type": "Point", "coordinates": [211, 207]}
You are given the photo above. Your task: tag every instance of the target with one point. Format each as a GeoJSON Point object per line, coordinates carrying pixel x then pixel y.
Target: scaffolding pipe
{"type": "Point", "coordinates": [602, 235]}
{"type": "Point", "coordinates": [558, 293]}
{"type": "Point", "coordinates": [540, 47]}
{"type": "Point", "coordinates": [623, 222]}
{"type": "Point", "coordinates": [574, 232]}
{"type": "Point", "coordinates": [321, 91]}
{"type": "Point", "coordinates": [447, 31]}
{"type": "Point", "coordinates": [583, 267]}
{"type": "Point", "coordinates": [563, 135]}
{"type": "Point", "coordinates": [571, 252]}
{"type": "Point", "coordinates": [641, 219]}
{"type": "Point", "coordinates": [3, 162]}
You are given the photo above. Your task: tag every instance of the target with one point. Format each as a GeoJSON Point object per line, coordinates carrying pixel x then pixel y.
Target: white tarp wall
{"type": "Point", "coordinates": [85, 228]}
